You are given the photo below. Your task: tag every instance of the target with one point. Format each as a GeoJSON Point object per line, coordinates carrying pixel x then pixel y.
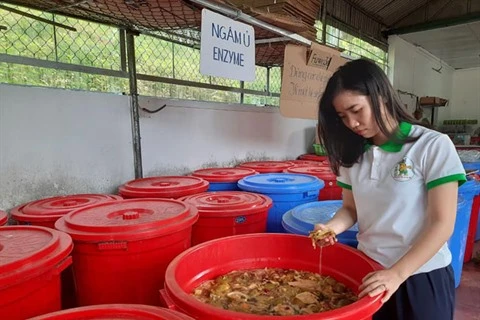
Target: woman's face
{"type": "Point", "coordinates": [355, 110]}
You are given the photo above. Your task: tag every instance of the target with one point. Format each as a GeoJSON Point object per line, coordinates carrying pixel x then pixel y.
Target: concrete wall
{"type": "Point", "coordinates": [55, 141]}
{"type": "Point", "coordinates": [410, 70]}
{"type": "Point", "coordinates": [466, 94]}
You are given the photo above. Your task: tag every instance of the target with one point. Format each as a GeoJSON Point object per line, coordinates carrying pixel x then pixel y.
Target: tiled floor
{"type": "Point", "coordinates": [468, 293]}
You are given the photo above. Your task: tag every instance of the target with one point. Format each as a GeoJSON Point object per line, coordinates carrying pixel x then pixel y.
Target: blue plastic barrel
{"type": "Point", "coordinates": [458, 240]}
{"type": "Point", "coordinates": [474, 166]}
{"type": "Point", "coordinates": [287, 190]}
{"type": "Point", "coordinates": [302, 219]}
{"type": "Point", "coordinates": [471, 166]}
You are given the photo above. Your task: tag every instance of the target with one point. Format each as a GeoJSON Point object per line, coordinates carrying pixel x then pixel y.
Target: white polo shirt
{"type": "Point", "coordinates": [390, 185]}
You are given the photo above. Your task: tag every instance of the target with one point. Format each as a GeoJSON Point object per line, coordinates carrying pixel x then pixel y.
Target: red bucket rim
{"type": "Point", "coordinates": [223, 174]}
{"type": "Point", "coordinates": [39, 214]}
{"type": "Point", "coordinates": [163, 187]}
{"type": "Point", "coordinates": [128, 220]}
{"type": "Point", "coordinates": [228, 203]}
{"type": "Point", "coordinates": [271, 166]}
{"type": "Point", "coordinates": [177, 294]}
{"type": "Point", "coordinates": [51, 248]}
{"type": "Point", "coordinates": [3, 218]}
{"type": "Point", "coordinates": [134, 310]}
{"type": "Point", "coordinates": [319, 172]}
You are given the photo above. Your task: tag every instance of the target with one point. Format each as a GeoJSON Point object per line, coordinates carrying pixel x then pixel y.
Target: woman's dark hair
{"type": "Point", "coordinates": [343, 146]}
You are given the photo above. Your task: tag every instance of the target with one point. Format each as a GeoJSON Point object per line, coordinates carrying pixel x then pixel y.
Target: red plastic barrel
{"type": "Point", "coordinates": [223, 179]}
{"type": "Point", "coordinates": [122, 248]}
{"type": "Point", "coordinates": [211, 259]}
{"type": "Point", "coordinates": [45, 212]}
{"type": "Point", "coordinates": [313, 157]}
{"type": "Point", "coordinates": [3, 218]}
{"type": "Point", "coordinates": [223, 174]}
{"type": "Point", "coordinates": [310, 163]}
{"type": "Point", "coordinates": [227, 213]}
{"type": "Point", "coordinates": [116, 311]}
{"type": "Point", "coordinates": [163, 187]}
{"type": "Point", "coordinates": [267, 166]}
{"type": "Point", "coordinates": [472, 229]}
{"type": "Point", "coordinates": [31, 260]}
{"type": "Point", "coordinates": [331, 191]}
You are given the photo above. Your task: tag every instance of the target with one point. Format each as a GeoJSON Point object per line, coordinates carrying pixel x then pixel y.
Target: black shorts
{"type": "Point", "coordinates": [424, 296]}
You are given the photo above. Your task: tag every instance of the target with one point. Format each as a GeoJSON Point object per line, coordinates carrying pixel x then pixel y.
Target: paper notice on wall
{"type": "Point", "coordinates": [306, 72]}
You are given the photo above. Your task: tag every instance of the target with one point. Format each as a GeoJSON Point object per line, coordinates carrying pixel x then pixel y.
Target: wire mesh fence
{"type": "Point", "coordinates": [172, 56]}
{"type": "Point", "coordinates": [353, 46]}
{"type": "Point", "coordinates": [170, 59]}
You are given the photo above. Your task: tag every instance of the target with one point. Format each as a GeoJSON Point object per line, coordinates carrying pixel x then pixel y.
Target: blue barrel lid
{"type": "Point", "coordinates": [280, 183]}
{"type": "Point", "coordinates": [301, 219]}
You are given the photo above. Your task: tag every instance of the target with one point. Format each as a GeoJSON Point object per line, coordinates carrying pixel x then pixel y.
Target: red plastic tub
{"type": "Point", "coordinates": [331, 191]}
{"type": "Point", "coordinates": [172, 187]}
{"type": "Point", "coordinates": [31, 261]}
{"type": "Point", "coordinates": [122, 248]}
{"type": "Point", "coordinates": [3, 218]}
{"type": "Point", "coordinates": [267, 166]}
{"type": "Point", "coordinates": [472, 229]}
{"type": "Point", "coordinates": [217, 257]}
{"type": "Point", "coordinates": [116, 311]}
{"type": "Point", "coordinates": [45, 212]}
{"type": "Point", "coordinates": [227, 213]}
{"type": "Point", "coordinates": [223, 179]}
{"type": "Point", "coordinates": [313, 157]}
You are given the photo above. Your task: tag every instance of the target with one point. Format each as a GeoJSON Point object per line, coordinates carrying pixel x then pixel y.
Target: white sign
{"type": "Point", "coordinates": [227, 47]}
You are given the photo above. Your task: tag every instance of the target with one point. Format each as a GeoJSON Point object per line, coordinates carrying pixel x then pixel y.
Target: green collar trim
{"type": "Point", "coordinates": [397, 142]}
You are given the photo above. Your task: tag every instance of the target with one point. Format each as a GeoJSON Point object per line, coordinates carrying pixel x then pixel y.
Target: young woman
{"type": "Point", "coordinates": [400, 183]}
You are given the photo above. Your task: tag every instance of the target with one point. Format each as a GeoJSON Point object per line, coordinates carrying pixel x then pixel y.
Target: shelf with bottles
{"type": "Point", "coordinates": [458, 126]}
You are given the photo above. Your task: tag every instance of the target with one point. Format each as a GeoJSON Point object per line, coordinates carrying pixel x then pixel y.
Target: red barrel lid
{"type": "Point", "coordinates": [115, 311]}
{"type": "Point", "coordinates": [164, 187]}
{"type": "Point", "coordinates": [228, 203]}
{"type": "Point", "coordinates": [3, 218]}
{"type": "Point", "coordinates": [310, 163]}
{"type": "Point", "coordinates": [267, 166]}
{"type": "Point", "coordinates": [223, 174]}
{"type": "Point", "coordinates": [134, 219]}
{"type": "Point", "coordinates": [312, 157]}
{"type": "Point", "coordinates": [27, 251]}
{"type": "Point", "coordinates": [50, 209]}
{"type": "Point", "coordinates": [320, 172]}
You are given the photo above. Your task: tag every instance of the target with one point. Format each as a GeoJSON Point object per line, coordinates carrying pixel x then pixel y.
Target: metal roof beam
{"type": "Point", "coordinates": [365, 12]}
{"type": "Point", "coordinates": [74, 4]}
{"type": "Point", "coordinates": [271, 40]}
{"type": "Point", "coordinates": [406, 14]}
{"type": "Point", "coordinates": [442, 23]}
{"type": "Point", "coordinates": [31, 16]}
{"type": "Point", "coordinates": [240, 15]}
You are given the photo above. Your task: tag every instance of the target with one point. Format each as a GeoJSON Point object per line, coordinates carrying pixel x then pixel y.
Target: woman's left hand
{"type": "Point", "coordinates": [383, 281]}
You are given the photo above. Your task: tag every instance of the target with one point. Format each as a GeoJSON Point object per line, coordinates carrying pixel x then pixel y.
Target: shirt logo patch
{"type": "Point", "coordinates": [403, 171]}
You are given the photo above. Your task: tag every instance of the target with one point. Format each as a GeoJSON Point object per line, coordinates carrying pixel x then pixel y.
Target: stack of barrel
{"type": "Point", "coordinates": [112, 251]}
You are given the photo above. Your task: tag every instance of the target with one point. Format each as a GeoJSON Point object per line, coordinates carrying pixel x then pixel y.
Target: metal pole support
{"type": "Point", "coordinates": [134, 107]}
{"type": "Point", "coordinates": [324, 21]}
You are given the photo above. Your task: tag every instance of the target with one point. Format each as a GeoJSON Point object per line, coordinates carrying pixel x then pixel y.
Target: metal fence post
{"type": "Point", "coordinates": [123, 50]}
{"type": "Point", "coordinates": [134, 108]}
{"type": "Point", "coordinates": [324, 21]}
{"type": "Point", "coordinates": [242, 94]}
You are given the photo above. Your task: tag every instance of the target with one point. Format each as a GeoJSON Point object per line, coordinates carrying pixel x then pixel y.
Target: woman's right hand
{"type": "Point", "coordinates": [328, 240]}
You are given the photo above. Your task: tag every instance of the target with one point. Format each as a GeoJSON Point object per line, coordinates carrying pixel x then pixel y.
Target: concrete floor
{"type": "Point", "coordinates": [468, 293]}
